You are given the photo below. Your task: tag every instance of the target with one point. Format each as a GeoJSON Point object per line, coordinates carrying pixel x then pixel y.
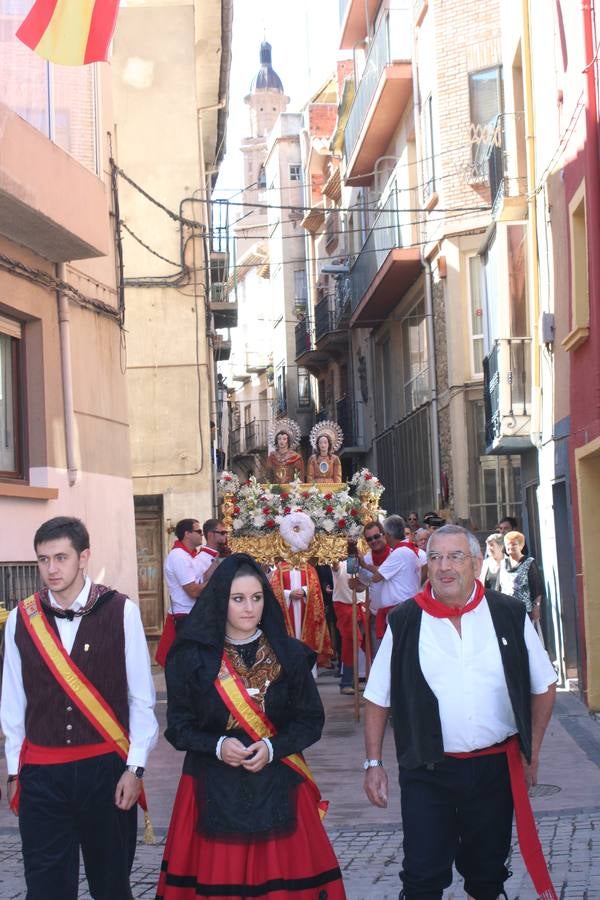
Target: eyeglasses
{"type": "Point", "coordinates": [373, 537]}
{"type": "Point", "coordinates": [214, 531]}
{"type": "Point", "coordinates": [455, 556]}
{"type": "Point", "coordinates": [196, 530]}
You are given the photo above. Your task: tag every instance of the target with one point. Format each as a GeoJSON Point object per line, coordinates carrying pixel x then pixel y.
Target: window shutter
{"type": "Point", "coordinates": [11, 327]}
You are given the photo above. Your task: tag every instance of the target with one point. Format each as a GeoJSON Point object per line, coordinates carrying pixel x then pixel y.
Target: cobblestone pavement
{"type": "Point", "coordinates": [368, 841]}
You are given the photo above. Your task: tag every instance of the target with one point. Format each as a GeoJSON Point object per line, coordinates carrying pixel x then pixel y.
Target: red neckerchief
{"type": "Point", "coordinates": [411, 546]}
{"type": "Point", "coordinates": [208, 550]}
{"type": "Point", "coordinates": [379, 556]}
{"type": "Point", "coordinates": [439, 610]}
{"type": "Point", "coordinates": [181, 546]}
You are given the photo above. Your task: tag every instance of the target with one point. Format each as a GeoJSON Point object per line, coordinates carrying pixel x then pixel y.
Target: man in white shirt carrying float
{"type": "Point", "coordinates": [470, 690]}
{"type": "Point", "coordinates": [77, 713]}
{"type": "Point", "coordinates": [188, 567]}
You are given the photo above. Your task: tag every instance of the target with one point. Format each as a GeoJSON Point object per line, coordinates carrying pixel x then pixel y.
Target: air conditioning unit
{"type": "Point", "coordinates": [218, 292]}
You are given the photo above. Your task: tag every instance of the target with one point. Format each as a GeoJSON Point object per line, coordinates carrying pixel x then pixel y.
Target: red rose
{"type": "Point", "coordinates": [354, 512]}
{"type": "Point", "coordinates": [287, 510]}
{"type": "Point", "coordinates": [341, 523]}
{"type": "Point", "coordinates": [328, 496]}
{"type": "Point", "coordinates": [270, 523]}
{"type": "Point", "coordinates": [368, 477]}
{"type": "Point", "coordinates": [306, 496]}
{"type": "Point", "coordinates": [329, 509]}
{"type": "Point", "coordinates": [284, 496]}
{"type": "Point", "coordinates": [266, 510]}
{"type": "Point", "coordinates": [236, 510]}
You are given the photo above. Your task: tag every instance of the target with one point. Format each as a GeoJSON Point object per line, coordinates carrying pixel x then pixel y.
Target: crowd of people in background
{"type": "Point", "coordinates": [241, 646]}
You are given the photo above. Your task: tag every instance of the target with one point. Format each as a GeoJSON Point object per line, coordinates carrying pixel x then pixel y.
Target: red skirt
{"type": "Point", "coordinates": [301, 865]}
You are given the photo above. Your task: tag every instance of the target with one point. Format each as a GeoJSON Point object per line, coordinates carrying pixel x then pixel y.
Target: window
{"type": "Point", "coordinates": [10, 398]}
{"type": "Point", "coordinates": [280, 389]}
{"type": "Point", "coordinates": [428, 149]}
{"type": "Point", "coordinates": [300, 287]}
{"type": "Point", "coordinates": [295, 172]}
{"type": "Point", "coordinates": [476, 314]}
{"type": "Point", "coordinates": [516, 240]}
{"type": "Point", "coordinates": [485, 103]}
{"type": "Point", "coordinates": [494, 481]}
{"type": "Point", "coordinates": [60, 101]}
{"type": "Point", "coordinates": [303, 388]}
{"type": "Point", "coordinates": [580, 298]}
{"type": "Point", "coordinates": [262, 178]}
{"type": "Point", "coordinates": [415, 359]}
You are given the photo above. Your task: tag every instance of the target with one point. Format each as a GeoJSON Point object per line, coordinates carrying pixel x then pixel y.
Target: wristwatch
{"type": "Point", "coordinates": [372, 764]}
{"type": "Point", "coordinates": [138, 771]}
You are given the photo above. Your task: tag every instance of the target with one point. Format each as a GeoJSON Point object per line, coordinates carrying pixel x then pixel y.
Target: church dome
{"type": "Point", "coordinates": [266, 79]}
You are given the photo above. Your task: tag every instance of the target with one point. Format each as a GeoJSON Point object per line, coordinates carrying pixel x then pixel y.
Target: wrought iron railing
{"type": "Point", "coordinates": [507, 385]}
{"type": "Point", "coordinates": [506, 157]}
{"type": "Point", "coordinates": [390, 229]}
{"type": "Point", "coordinates": [392, 42]}
{"type": "Point", "coordinates": [304, 336]}
{"type": "Point", "coordinates": [17, 580]}
{"type": "Point", "coordinates": [252, 437]}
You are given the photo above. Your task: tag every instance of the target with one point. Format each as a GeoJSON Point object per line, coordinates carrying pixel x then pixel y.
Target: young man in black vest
{"type": "Point", "coordinates": [77, 713]}
{"type": "Point", "coordinates": [462, 671]}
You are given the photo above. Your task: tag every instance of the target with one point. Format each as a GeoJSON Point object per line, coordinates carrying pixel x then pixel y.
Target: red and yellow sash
{"type": "Point", "coordinates": [257, 725]}
{"type": "Point", "coordinates": [81, 691]}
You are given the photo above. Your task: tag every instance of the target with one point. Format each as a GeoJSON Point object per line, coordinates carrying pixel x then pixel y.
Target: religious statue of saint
{"type": "Point", "coordinates": [284, 462]}
{"type": "Point", "coordinates": [324, 467]}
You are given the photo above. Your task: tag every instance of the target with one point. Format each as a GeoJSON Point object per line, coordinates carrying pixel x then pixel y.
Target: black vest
{"type": "Point", "coordinates": [414, 706]}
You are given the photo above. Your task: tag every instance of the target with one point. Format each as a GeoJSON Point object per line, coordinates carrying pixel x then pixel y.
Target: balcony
{"type": "Point", "coordinates": [382, 96]}
{"type": "Point", "coordinates": [250, 438]}
{"type": "Point", "coordinates": [307, 354]}
{"type": "Point", "coordinates": [506, 168]}
{"type": "Point", "coordinates": [222, 348]}
{"type": "Point", "coordinates": [507, 396]}
{"type": "Point", "coordinates": [386, 266]}
{"type": "Point", "coordinates": [349, 417]}
{"type": "Point", "coordinates": [356, 17]}
{"type": "Point", "coordinates": [49, 202]}
{"type": "Point", "coordinates": [223, 306]}
{"type": "Point", "coordinates": [331, 325]}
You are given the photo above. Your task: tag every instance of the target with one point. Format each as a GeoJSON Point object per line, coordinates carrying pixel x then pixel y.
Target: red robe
{"type": "Point", "coordinates": [314, 625]}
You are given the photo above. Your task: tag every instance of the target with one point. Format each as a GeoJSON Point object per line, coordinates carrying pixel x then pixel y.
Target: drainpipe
{"type": "Point", "coordinates": [64, 330]}
{"type": "Point", "coordinates": [435, 432]}
{"type": "Point", "coordinates": [532, 231]}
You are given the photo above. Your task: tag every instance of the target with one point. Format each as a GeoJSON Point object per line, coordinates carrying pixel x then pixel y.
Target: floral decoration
{"type": "Point", "coordinates": [364, 482]}
{"type": "Point", "coordinates": [262, 507]}
{"type": "Point", "coordinates": [227, 483]}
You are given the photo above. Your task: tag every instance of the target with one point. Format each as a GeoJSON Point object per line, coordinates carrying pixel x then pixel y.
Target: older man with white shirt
{"type": "Point", "coordinates": [471, 690]}
{"type": "Point", "coordinates": [77, 714]}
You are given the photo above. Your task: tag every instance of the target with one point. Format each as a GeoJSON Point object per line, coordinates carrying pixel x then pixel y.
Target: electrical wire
{"type": "Point", "coordinates": [147, 247]}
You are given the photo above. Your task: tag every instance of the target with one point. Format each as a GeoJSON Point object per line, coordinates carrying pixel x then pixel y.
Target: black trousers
{"type": "Point", "coordinates": [69, 806]}
{"type": "Point", "coordinates": [460, 812]}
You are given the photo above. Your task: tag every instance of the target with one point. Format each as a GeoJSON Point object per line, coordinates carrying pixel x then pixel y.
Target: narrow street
{"type": "Point", "coordinates": [368, 841]}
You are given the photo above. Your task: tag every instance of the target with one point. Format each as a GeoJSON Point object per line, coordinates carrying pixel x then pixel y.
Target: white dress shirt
{"type": "Point", "coordinates": [180, 568]}
{"type": "Point", "coordinates": [143, 727]}
{"type": "Point", "coordinates": [203, 561]}
{"type": "Point", "coordinates": [375, 587]}
{"type": "Point", "coordinates": [465, 673]}
{"type": "Point", "coordinates": [401, 574]}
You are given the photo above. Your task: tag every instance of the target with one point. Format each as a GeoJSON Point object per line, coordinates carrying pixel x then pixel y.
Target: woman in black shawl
{"type": "Point", "coordinates": [243, 704]}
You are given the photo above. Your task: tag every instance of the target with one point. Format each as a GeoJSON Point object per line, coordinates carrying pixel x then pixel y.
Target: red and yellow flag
{"type": "Point", "coordinates": [70, 32]}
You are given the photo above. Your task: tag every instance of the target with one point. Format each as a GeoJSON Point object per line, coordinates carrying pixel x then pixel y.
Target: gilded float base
{"type": "Point", "coordinates": [324, 549]}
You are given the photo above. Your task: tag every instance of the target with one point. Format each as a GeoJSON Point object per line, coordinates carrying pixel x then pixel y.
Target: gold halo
{"type": "Point", "coordinates": [290, 427]}
{"type": "Point", "coordinates": [332, 430]}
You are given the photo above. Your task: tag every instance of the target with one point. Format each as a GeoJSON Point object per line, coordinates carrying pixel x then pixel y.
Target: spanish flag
{"type": "Point", "coordinates": [70, 32]}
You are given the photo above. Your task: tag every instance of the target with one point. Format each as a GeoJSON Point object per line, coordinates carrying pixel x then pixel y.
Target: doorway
{"type": "Point", "coordinates": [149, 543]}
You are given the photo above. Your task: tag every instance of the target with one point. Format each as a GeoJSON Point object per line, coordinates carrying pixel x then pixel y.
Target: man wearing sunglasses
{"type": "Point", "coordinates": [215, 535]}
{"type": "Point", "coordinates": [186, 571]}
{"type": "Point", "coordinates": [470, 690]}
{"type": "Point", "coordinates": [392, 569]}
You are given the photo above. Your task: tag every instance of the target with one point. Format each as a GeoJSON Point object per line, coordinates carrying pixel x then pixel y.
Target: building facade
{"type": "Point", "coordinates": [170, 112]}
{"type": "Point", "coordinates": [64, 419]}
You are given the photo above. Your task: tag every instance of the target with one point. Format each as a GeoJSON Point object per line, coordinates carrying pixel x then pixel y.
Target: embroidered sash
{"type": "Point", "coordinates": [256, 724]}
{"type": "Point", "coordinates": [71, 679]}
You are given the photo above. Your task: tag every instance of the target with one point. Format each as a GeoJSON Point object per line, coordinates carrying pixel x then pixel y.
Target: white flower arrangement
{"type": "Point", "coordinates": [297, 529]}
{"type": "Point", "coordinates": [228, 483]}
{"type": "Point", "coordinates": [364, 482]}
